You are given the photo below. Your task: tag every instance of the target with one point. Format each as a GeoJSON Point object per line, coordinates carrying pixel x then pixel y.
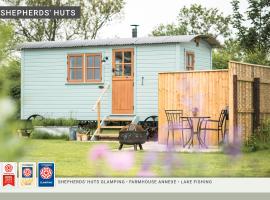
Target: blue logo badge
{"type": "Point", "coordinates": [27, 172]}
{"type": "Point", "coordinates": [46, 174]}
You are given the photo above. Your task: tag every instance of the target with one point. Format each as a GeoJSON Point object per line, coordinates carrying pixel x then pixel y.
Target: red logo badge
{"type": "Point", "coordinates": [9, 180]}
{"type": "Point", "coordinates": [46, 173]}
{"type": "Point", "coordinates": [8, 168]}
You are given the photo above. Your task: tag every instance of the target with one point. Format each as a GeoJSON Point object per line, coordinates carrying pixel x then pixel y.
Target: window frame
{"type": "Point", "coordinates": [69, 67]}
{"type": "Point", "coordinates": [92, 68]}
{"type": "Point", "coordinates": [192, 66]}
{"type": "Point", "coordinates": [84, 68]}
{"type": "Point", "coordinates": [131, 50]}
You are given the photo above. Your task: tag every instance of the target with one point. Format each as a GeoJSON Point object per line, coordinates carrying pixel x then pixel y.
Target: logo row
{"type": "Point", "coordinates": [30, 175]}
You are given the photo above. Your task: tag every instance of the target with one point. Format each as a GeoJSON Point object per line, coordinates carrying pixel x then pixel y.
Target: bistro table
{"type": "Point", "coordinates": [194, 128]}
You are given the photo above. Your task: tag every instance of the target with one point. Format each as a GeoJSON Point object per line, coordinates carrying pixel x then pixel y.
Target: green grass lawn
{"type": "Point", "coordinates": [72, 159]}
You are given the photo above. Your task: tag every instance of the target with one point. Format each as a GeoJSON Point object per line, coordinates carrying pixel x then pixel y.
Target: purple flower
{"type": "Point", "coordinates": [120, 161]}
{"type": "Point", "coordinates": [195, 109]}
{"type": "Point", "coordinates": [99, 152]}
{"type": "Point", "coordinates": [149, 159]}
{"type": "Point", "coordinates": [170, 147]}
{"type": "Point", "coordinates": [234, 149]}
{"type": "Point", "coordinates": [146, 173]}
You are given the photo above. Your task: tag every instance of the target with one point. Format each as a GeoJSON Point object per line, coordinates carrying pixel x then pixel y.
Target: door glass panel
{"type": "Point", "coordinates": [97, 73]}
{"type": "Point", "coordinates": [90, 61]}
{"type": "Point", "coordinates": [127, 57]}
{"type": "Point", "coordinates": [97, 61]}
{"type": "Point", "coordinates": [127, 69]}
{"type": "Point", "coordinates": [118, 70]}
{"type": "Point", "coordinates": [118, 57]}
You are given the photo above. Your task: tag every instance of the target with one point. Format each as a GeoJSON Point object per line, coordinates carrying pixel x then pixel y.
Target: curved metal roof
{"type": "Point", "coordinates": [119, 41]}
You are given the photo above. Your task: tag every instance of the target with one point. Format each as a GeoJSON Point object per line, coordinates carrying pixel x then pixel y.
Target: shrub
{"type": "Point", "coordinates": [43, 135]}
{"type": "Point", "coordinates": [260, 140]}
{"type": "Point", "coordinates": [54, 122]}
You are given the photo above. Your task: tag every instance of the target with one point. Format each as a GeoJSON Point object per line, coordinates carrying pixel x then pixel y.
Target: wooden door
{"type": "Point", "coordinates": [123, 81]}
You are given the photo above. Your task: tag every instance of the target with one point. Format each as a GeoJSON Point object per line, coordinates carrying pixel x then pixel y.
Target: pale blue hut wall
{"type": "Point", "coordinates": [153, 59]}
{"type": "Point", "coordinates": [203, 54]}
{"type": "Point", "coordinates": [45, 90]}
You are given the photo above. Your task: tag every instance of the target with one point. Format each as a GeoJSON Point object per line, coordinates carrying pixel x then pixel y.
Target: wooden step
{"type": "Point", "coordinates": [107, 136]}
{"type": "Point", "coordinates": [111, 127]}
{"type": "Point", "coordinates": [117, 120]}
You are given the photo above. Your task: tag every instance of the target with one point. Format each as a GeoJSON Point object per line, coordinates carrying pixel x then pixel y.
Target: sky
{"type": "Point", "coordinates": [149, 13]}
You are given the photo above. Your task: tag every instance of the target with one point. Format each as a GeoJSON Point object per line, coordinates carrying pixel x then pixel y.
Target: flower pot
{"type": "Point", "coordinates": [79, 137]}
{"type": "Point", "coordinates": [84, 137]}
{"type": "Point", "coordinates": [195, 111]}
{"type": "Point", "coordinates": [194, 114]}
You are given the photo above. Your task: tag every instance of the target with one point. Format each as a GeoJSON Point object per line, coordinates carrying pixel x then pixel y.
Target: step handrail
{"type": "Point", "coordinates": [104, 90]}
{"type": "Point", "coordinates": [97, 106]}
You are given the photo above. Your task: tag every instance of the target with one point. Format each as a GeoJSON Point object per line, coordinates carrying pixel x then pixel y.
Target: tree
{"type": "Point", "coordinates": [253, 27]}
{"type": "Point", "coordinates": [197, 20]}
{"type": "Point", "coordinates": [10, 147]}
{"type": "Point", "coordinates": [6, 40]}
{"type": "Point", "coordinates": [252, 30]}
{"type": "Point", "coordinates": [95, 14]}
{"type": "Point", "coordinates": [169, 29]}
{"type": "Point", "coordinates": [230, 51]}
{"type": "Point", "coordinates": [9, 65]}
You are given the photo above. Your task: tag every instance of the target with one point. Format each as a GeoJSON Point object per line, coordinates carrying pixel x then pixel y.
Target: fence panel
{"type": "Point", "coordinates": [246, 115]}
{"type": "Point", "coordinates": [206, 90]}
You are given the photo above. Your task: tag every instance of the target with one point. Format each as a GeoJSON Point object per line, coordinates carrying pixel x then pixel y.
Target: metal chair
{"type": "Point", "coordinates": [175, 122]}
{"type": "Point", "coordinates": [219, 125]}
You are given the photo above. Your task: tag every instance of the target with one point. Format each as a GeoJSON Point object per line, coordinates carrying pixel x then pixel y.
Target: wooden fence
{"type": "Point", "coordinates": [249, 98]}
{"type": "Point", "coordinates": [244, 87]}
{"type": "Point", "coordinates": [206, 90]}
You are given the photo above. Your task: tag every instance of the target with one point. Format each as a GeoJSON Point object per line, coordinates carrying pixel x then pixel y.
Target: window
{"type": "Point", "coordinates": [75, 68]}
{"type": "Point", "coordinates": [84, 68]}
{"type": "Point", "coordinates": [190, 60]}
{"type": "Point", "coordinates": [123, 62]}
{"type": "Point", "coordinates": [93, 67]}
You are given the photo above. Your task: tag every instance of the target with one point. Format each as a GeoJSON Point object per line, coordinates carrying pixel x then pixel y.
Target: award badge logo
{"type": "Point", "coordinates": [46, 174]}
{"type": "Point", "coordinates": [9, 174]}
{"type": "Point", "coordinates": [1, 175]}
{"type": "Point", "coordinates": [27, 174]}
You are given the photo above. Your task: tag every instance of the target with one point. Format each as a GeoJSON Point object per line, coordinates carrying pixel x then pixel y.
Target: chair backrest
{"type": "Point", "coordinates": [222, 117]}
{"type": "Point", "coordinates": [174, 116]}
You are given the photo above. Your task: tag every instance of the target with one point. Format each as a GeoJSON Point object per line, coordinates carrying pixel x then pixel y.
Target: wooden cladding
{"type": "Point", "coordinates": [82, 68]}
